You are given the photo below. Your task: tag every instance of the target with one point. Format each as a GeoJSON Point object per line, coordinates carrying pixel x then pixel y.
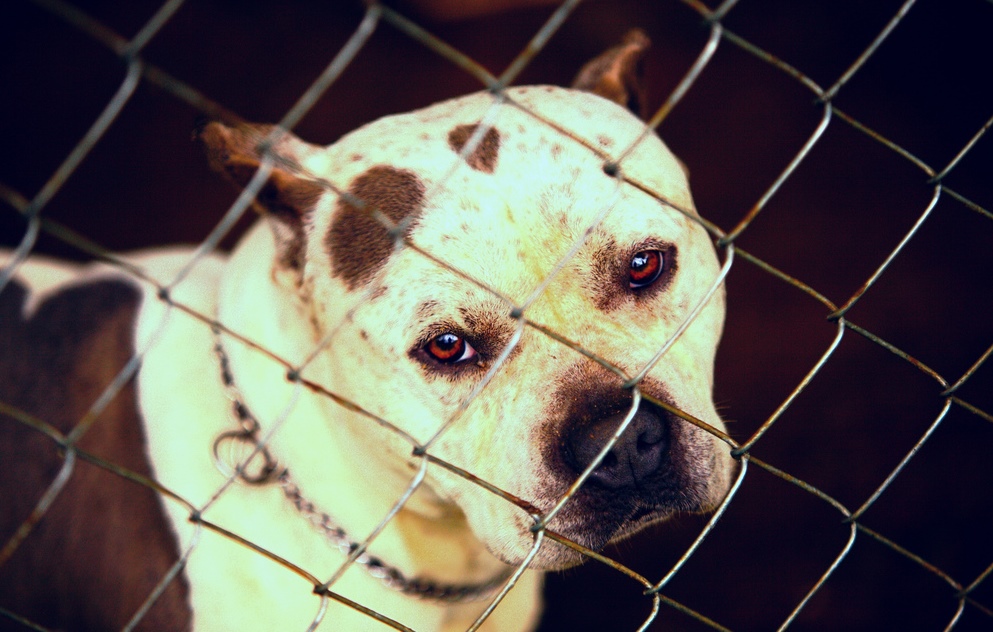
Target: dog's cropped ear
{"type": "Point", "coordinates": [286, 197]}
{"type": "Point", "coordinates": [616, 74]}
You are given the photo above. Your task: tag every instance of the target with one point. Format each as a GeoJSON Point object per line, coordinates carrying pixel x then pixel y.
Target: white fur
{"type": "Point", "coordinates": [545, 193]}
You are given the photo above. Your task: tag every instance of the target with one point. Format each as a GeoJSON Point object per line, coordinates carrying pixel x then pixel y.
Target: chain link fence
{"type": "Point", "coordinates": [840, 160]}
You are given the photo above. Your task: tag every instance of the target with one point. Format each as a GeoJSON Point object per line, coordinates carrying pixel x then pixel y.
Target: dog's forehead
{"type": "Point", "coordinates": [533, 139]}
{"type": "Point", "coordinates": [519, 179]}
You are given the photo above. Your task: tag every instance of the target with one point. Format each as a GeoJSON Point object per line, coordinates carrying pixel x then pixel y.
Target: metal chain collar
{"type": "Point", "coordinates": [245, 442]}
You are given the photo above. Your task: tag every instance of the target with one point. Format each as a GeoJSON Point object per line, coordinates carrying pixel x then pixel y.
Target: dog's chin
{"type": "Point", "coordinates": [573, 536]}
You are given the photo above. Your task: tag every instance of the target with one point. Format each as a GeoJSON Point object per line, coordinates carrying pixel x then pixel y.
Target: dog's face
{"type": "Point", "coordinates": [525, 218]}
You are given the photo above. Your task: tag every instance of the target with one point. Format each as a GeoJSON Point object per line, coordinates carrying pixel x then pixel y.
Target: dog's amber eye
{"type": "Point", "coordinates": [646, 267]}
{"type": "Point", "coordinates": [449, 348]}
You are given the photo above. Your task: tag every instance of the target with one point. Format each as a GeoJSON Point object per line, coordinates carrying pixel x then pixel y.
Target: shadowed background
{"type": "Point", "coordinates": [833, 222]}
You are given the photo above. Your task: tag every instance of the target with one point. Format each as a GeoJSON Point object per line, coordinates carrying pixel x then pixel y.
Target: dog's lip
{"type": "Point", "coordinates": [641, 513]}
{"type": "Point", "coordinates": [596, 529]}
{"type": "Point", "coordinates": [587, 520]}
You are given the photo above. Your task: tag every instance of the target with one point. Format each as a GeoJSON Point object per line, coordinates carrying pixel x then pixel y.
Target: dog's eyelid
{"type": "Point", "coordinates": [667, 248]}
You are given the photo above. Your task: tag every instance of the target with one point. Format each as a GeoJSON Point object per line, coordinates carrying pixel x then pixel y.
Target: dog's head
{"type": "Point", "coordinates": [536, 265]}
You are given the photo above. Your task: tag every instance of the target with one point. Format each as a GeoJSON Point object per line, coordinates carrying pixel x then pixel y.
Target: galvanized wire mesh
{"type": "Point", "coordinates": [967, 604]}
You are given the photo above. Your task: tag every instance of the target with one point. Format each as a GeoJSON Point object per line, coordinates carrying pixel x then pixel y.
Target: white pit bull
{"type": "Point", "coordinates": [401, 340]}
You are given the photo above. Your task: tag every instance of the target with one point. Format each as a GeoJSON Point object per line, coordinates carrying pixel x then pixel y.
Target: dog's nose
{"type": "Point", "coordinates": [638, 453]}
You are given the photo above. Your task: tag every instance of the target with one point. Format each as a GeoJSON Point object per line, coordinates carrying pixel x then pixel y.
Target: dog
{"type": "Point", "coordinates": [457, 294]}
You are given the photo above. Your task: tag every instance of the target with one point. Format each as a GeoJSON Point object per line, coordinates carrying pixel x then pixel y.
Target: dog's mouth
{"type": "Point", "coordinates": [593, 530]}
{"type": "Point", "coordinates": [594, 523]}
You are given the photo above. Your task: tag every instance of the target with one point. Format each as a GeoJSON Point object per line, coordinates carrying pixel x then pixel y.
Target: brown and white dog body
{"type": "Point", "coordinates": [528, 213]}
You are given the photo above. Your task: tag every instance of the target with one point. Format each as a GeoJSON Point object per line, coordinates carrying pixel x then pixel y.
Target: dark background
{"type": "Point", "coordinates": [831, 225]}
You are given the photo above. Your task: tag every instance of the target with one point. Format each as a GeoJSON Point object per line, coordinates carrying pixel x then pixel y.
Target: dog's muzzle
{"type": "Point", "coordinates": [660, 464]}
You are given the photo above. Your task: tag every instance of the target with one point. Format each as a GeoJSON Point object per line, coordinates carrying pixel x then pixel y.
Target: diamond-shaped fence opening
{"type": "Point", "coordinates": [839, 157]}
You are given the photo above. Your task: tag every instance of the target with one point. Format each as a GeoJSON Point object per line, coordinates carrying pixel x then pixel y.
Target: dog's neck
{"type": "Point", "coordinates": [446, 551]}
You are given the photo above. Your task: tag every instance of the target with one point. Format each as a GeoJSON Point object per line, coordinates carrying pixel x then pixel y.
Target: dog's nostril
{"type": "Point", "coordinates": [637, 454]}
{"type": "Point", "coordinates": [609, 461]}
{"type": "Point", "coordinates": [650, 437]}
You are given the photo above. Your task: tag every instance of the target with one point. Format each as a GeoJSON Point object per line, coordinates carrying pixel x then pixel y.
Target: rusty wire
{"type": "Point", "coordinates": [129, 51]}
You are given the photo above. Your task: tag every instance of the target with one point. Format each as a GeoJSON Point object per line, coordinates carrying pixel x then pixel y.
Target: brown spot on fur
{"type": "Point", "coordinates": [358, 243]}
{"type": "Point", "coordinates": [378, 293]}
{"type": "Point", "coordinates": [425, 309]}
{"type": "Point", "coordinates": [492, 330]}
{"type": "Point", "coordinates": [484, 156]}
{"type": "Point", "coordinates": [605, 288]}
{"type": "Point", "coordinates": [104, 544]}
